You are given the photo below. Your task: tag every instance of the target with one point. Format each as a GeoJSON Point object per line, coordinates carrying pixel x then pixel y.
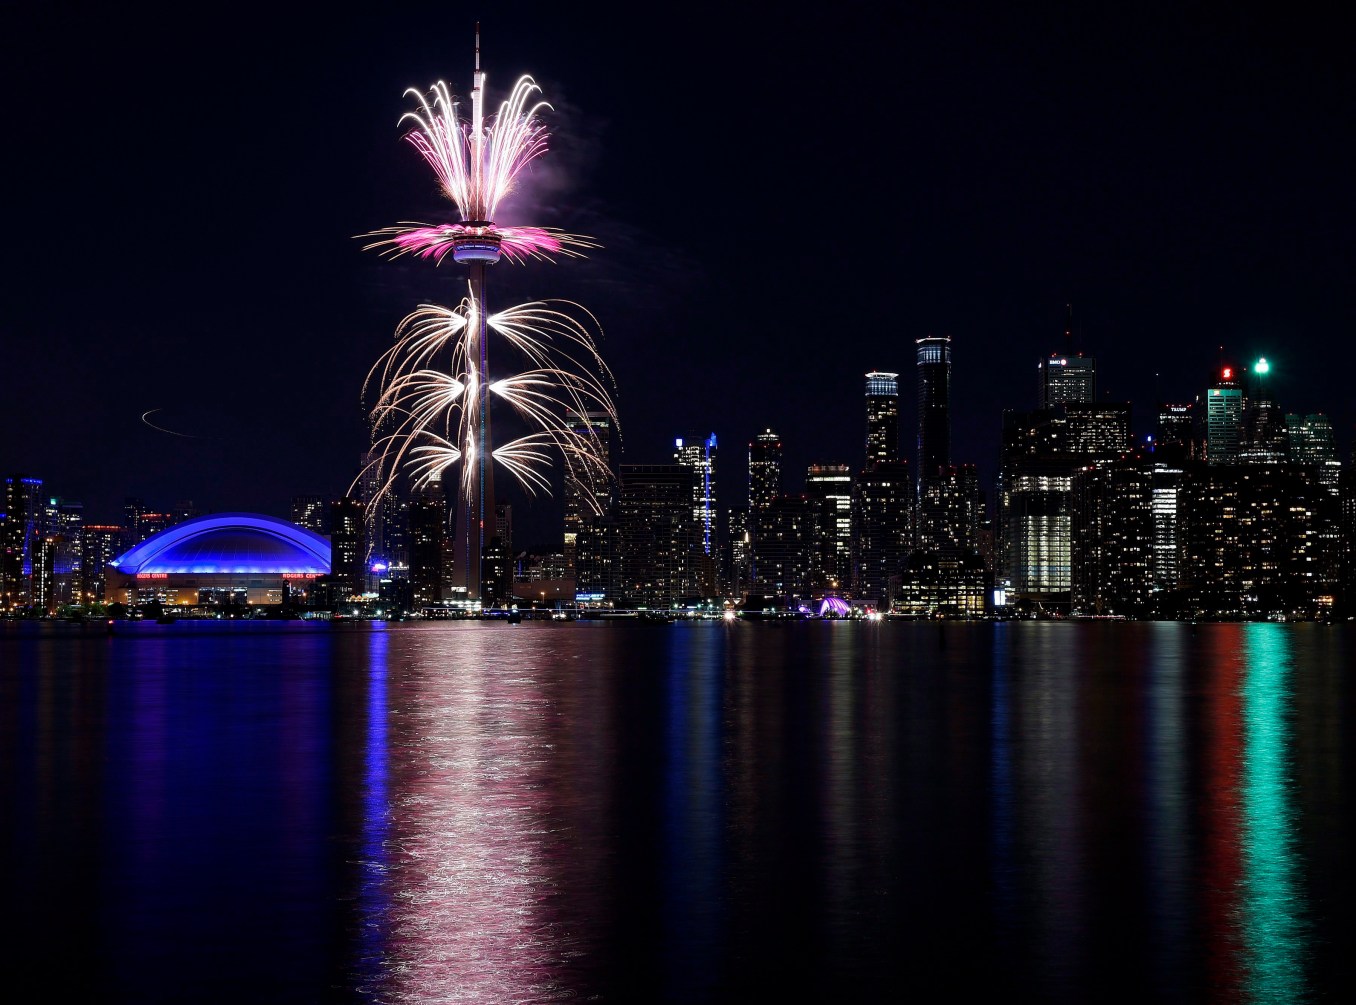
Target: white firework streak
{"type": "Point", "coordinates": [424, 418]}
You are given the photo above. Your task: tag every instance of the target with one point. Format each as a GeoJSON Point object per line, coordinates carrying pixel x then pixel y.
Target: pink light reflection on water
{"type": "Point", "coordinates": [469, 845]}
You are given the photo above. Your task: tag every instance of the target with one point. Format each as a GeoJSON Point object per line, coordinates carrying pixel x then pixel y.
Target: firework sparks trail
{"type": "Point", "coordinates": [429, 414]}
{"type": "Point", "coordinates": [433, 385]}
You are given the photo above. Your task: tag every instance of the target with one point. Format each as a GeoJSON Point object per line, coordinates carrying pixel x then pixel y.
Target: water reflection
{"type": "Point", "coordinates": [374, 902]}
{"type": "Point", "coordinates": [466, 856]}
{"type": "Point", "coordinates": [1052, 795]}
{"type": "Point", "coordinates": [1167, 808]}
{"type": "Point", "coordinates": [693, 815]}
{"type": "Point", "coordinates": [687, 812]}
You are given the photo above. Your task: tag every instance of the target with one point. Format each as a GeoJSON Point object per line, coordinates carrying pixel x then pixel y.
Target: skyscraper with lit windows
{"type": "Point", "coordinates": [1223, 417]}
{"type": "Point", "coordinates": [1066, 378]}
{"type": "Point", "coordinates": [20, 529]}
{"type": "Point", "coordinates": [699, 454]}
{"type": "Point", "coordinates": [882, 530]}
{"type": "Point", "coordinates": [585, 499]}
{"type": "Point", "coordinates": [882, 417]}
{"type": "Point", "coordinates": [765, 470]}
{"type": "Point", "coordinates": [829, 487]}
{"type": "Point", "coordinates": [1312, 443]}
{"type": "Point", "coordinates": [428, 544]}
{"type": "Point", "coordinates": [934, 405]}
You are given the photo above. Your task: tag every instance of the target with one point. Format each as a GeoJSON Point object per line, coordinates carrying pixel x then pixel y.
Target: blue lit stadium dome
{"type": "Point", "coordinates": [229, 544]}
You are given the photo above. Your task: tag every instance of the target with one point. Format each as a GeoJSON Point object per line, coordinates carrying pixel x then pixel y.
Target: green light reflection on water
{"type": "Point", "coordinates": [1271, 905]}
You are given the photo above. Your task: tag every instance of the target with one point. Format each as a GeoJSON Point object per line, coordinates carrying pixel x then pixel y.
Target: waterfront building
{"type": "Point", "coordinates": [584, 495]}
{"type": "Point", "coordinates": [1039, 532]}
{"type": "Point", "coordinates": [882, 520]}
{"type": "Point", "coordinates": [20, 530]}
{"type": "Point", "coordinates": [953, 584]}
{"type": "Point", "coordinates": [1166, 560]}
{"type": "Point", "coordinates": [1346, 495]}
{"type": "Point", "coordinates": [1254, 540]}
{"type": "Point", "coordinates": [829, 487]}
{"type": "Point", "coordinates": [99, 545]}
{"type": "Point", "coordinates": [429, 546]}
{"type": "Point", "coordinates": [44, 599]}
{"type": "Point", "coordinates": [1112, 538]}
{"type": "Point", "coordinates": [1040, 452]}
{"type": "Point", "coordinates": [1034, 510]}
{"type": "Point", "coordinates": [348, 543]}
{"type": "Point", "coordinates": [784, 548]}
{"type": "Point", "coordinates": [596, 561]}
{"type": "Point", "coordinates": [496, 573]}
{"type": "Point", "coordinates": [68, 528]}
{"type": "Point", "coordinates": [700, 454]}
{"type": "Point", "coordinates": [658, 541]}
{"type": "Point", "coordinates": [738, 552]}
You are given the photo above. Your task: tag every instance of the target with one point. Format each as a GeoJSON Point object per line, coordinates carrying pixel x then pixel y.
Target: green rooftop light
{"type": "Point", "coordinates": [1262, 366]}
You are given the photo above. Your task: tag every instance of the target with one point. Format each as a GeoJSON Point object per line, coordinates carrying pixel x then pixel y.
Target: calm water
{"type": "Point", "coordinates": [695, 812]}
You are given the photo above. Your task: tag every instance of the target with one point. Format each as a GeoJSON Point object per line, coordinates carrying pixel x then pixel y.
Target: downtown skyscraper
{"type": "Point", "coordinates": [882, 417]}
{"type": "Point", "coordinates": [1066, 378]}
{"type": "Point", "coordinates": [934, 405]}
{"type": "Point", "coordinates": [585, 499]}
{"type": "Point", "coordinates": [765, 470]}
{"type": "Point", "coordinates": [699, 454]}
{"type": "Point", "coordinates": [1223, 417]}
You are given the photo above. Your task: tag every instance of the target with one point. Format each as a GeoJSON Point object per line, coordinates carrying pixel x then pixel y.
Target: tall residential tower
{"type": "Point", "coordinates": [934, 405]}
{"type": "Point", "coordinates": [882, 417]}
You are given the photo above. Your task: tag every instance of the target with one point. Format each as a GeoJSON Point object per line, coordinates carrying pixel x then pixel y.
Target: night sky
{"type": "Point", "coordinates": [783, 205]}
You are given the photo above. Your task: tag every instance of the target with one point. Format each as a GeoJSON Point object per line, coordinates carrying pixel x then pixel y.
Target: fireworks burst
{"type": "Point", "coordinates": [433, 387]}
{"type": "Point", "coordinates": [428, 382]}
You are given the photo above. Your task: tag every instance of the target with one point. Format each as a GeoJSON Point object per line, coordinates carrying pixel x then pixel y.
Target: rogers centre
{"type": "Point", "coordinates": [236, 558]}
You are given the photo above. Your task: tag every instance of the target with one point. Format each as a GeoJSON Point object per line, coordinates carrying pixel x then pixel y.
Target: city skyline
{"type": "Point", "coordinates": [1152, 181]}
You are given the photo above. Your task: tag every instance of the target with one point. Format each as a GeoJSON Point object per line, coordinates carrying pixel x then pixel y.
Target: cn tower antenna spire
{"type": "Point", "coordinates": [477, 113]}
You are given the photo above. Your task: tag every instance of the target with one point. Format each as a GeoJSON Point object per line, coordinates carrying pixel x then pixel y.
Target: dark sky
{"type": "Point", "coordinates": [783, 204]}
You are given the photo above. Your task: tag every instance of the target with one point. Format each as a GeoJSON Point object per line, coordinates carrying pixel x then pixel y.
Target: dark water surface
{"type": "Point", "coordinates": [691, 812]}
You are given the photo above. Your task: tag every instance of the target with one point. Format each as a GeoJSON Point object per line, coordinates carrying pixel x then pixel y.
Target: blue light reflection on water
{"type": "Point", "coordinates": [220, 777]}
{"type": "Point", "coordinates": [693, 819]}
{"type": "Point", "coordinates": [374, 900]}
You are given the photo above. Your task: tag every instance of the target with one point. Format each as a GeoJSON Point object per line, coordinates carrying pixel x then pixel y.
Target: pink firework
{"type": "Point", "coordinates": [477, 161]}
{"type": "Point", "coordinates": [436, 241]}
